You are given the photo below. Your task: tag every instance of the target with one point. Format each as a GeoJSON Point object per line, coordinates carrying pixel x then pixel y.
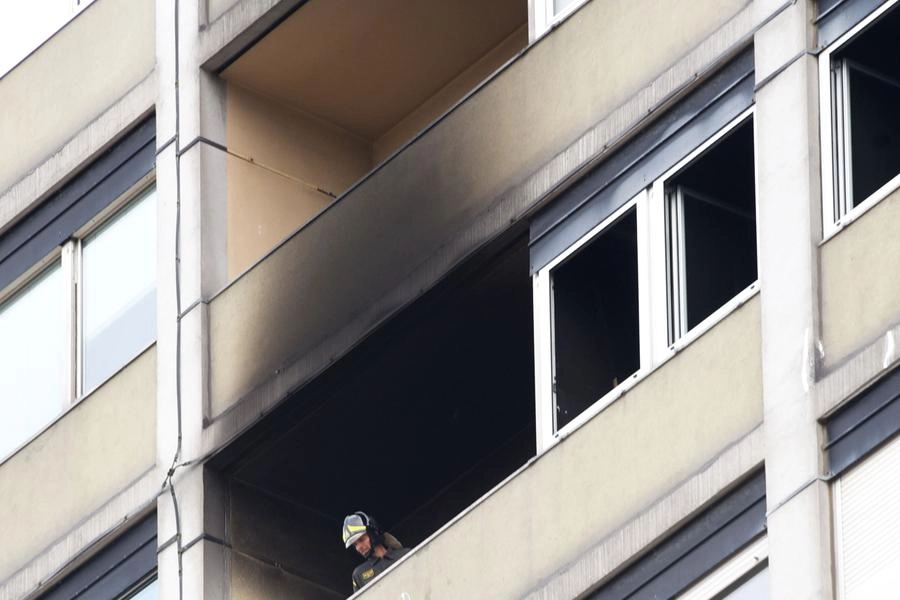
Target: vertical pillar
{"type": "Point", "coordinates": [789, 229]}
{"type": "Point", "coordinates": [192, 242]}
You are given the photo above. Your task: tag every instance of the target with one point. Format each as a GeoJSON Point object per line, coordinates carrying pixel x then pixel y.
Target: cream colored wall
{"type": "Point", "coordinates": [94, 451]}
{"type": "Point", "coordinates": [70, 80]}
{"type": "Point", "coordinates": [277, 157]}
{"type": "Point", "coordinates": [860, 289]}
{"type": "Point", "coordinates": [447, 96]}
{"type": "Point", "coordinates": [667, 428]}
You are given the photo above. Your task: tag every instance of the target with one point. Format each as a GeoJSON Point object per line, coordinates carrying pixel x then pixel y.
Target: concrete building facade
{"type": "Point", "coordinates": [582, 299]}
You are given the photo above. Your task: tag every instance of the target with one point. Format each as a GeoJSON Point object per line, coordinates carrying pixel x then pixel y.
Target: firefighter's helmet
{"type": "Point", "coordinates": [358, 523]}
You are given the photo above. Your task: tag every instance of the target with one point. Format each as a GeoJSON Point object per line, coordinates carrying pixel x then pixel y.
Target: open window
{"type": "Point", "coordinates": [861, 90]}
{"type": "Point", "coordinates": [711, 230]}
{"type": "Point", "coordinates": [596, 331]}
{"type": "Point", "coordinates": [657, 272]}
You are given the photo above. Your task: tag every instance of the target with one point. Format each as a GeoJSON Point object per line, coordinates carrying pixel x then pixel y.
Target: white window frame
{"type": "Point", "coordinates": [656, 347]}
{"type": "Point", "coordinates": [754, 556]}
{"type": "Point", "coordinates": [835, 170]}
{"type": "Point", "coordinates": [543, 18]}
{"type": "Point", "coordinates": [69, 255]}
{"type": "Point", "coordinates": [675, 336]}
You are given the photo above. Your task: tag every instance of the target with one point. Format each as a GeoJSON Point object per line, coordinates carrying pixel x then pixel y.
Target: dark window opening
{"type": "Point", "coordinates": [595, 327]}
{"type": "Point", "coordinates": [416, 423]}
{"type": "Point", "coordinates": [866, 122]}
{"type": "Point", "coordinates": [712, 230]}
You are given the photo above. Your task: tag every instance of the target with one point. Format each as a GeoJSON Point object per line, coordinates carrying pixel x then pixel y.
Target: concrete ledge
{"type": "Point", "coordinates": [855, 374]}
{"type": "Point", "coordinates": [231, 30]}
{"type": "Point", "coordinates": [617, 549]}
{"type": "Point", "coordinates": [53, 563]}
{"type": "Point", "coordinates": [80, 150]}
{"type": "Point", "coordinates": [72, 79]}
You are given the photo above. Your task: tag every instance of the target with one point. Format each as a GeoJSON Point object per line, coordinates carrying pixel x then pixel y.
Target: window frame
{"type": "Point", "coordinates": [654, 310]}
{"type": "Point", "coordinates": [666, 346]}
{"type": "Point", "coordinates": [834, 151]}
{"type": "Point", "coordinates": [69, 256]}
{"type": "Point", "coordinates": [75, 246]}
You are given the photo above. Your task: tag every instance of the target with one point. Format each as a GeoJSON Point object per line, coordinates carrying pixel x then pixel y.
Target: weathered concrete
{"type": "Point", "coordinates": [788, 226]}
{"type": "Point", "coordinates": [44, 98]}
{"type": "Point", "coordinates": [99, 448]}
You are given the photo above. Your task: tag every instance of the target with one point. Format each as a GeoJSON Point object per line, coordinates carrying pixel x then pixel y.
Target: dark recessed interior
{"type": "Point", "coordinates": [719, 215]}
{"type": "Point", "coordinates": [416, 423]}
{"type": "Point", "coordinates": [595, 319]}
{"type": "Point", "coordinates": [872, 60]}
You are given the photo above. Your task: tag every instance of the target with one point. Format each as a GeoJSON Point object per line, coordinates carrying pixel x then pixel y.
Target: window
{"type": "Point", "coordinates": [596, 330]}
{"type": "Point", "coordinates": [32, 352]}
{"type": "Point", "coordinates": [123, 569]}
{"type": "Point", "coordinates": [147, 591]}
{"type": "Point", "coordinates": [118, 274]}
{"type": "Point", "coordinates": [860, 76]}
{"type": "Point", "coordinates": [89, 310]}
{"type": "Point", "coordinates": [651, 277]}
{"type": "Point", "coordinates": [711, 218]}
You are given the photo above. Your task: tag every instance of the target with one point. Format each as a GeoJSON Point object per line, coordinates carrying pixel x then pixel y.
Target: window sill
{"type": "Point", "coordinates": [865, 206]}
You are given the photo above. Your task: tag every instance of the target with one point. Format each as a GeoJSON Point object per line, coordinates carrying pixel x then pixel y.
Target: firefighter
{"type": "Point", "coordinates": [379, 548]}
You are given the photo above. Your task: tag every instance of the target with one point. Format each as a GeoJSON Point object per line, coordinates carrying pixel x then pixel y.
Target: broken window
{"type": "Point", "coordinates": [865, 123]}
{"type": "Point", "coordinates": [711, 217]}
{"type": "Point", "coordinates": [596, 332]}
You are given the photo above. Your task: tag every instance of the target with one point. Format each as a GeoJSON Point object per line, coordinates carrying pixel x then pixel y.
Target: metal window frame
{"type": "Point", "coordinates": [673, 274]}
{"type": "Point", "coordinates": [835, 132]}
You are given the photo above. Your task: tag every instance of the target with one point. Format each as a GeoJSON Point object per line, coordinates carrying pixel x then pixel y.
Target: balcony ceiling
{"type": "Point", "coordinates": [363, 66]}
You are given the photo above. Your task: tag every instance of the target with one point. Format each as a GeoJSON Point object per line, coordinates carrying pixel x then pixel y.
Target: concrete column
{"type": "Point", "coordinates": [192, 249]}
{"type": "Point", "coordinates": [789, 229]}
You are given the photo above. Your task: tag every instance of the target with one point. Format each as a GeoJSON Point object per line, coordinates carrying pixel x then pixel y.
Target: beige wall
{"type": "Point", "coordinates": [70, 80]}
{"type": "Point", "coordinates": [447, 96]}
{"type": "Point", "coordinates": [860, 289]}
{"type": "Point", "coordinates": [70, 470]}
{"type": "Point", "coordinates": [278, 156]}
{"type": "Point", "coordinates": [345, 262]}
{"type": "Point", "coordinates": [643, 445]}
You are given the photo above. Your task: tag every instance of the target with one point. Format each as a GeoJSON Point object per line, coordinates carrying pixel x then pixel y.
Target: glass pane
{"type": "Point", "coordinates": [595, 319]}
{"type": "Point", "coordinates": [151, 592]}
{"type": "Point", "coordinates": [755, 588]}
{"type": "Point", "coordinates": [119, 291]}
{"type": "Point", "coordinates": [561, 5]}
{"type": "Point", "coordinates": [32, 355]}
